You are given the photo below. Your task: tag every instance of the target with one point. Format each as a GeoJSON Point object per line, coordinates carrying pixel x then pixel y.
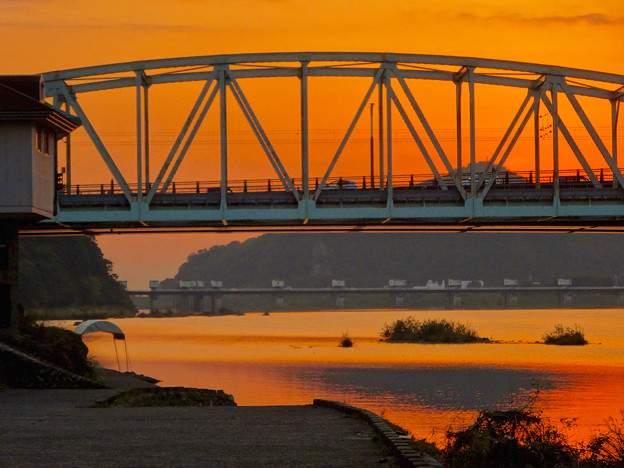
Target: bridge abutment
{"type": "Point", "coordinates": [9, 268]}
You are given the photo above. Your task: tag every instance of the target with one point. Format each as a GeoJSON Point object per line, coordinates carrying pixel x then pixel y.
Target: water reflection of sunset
{"type": "Point", "coordinates": [291, 358]}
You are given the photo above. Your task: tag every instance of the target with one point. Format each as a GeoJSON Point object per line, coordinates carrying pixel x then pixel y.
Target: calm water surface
{"type": "Point", "coordinates": [291, 358]}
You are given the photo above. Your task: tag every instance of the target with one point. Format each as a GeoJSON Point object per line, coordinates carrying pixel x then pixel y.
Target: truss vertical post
{"type": "Point", "coordinates": [536, 141]}
{"type": "Point", "coordinates": [305, 175]}
{"type": "Point", "coordinates": [68, 161]}
{"type": "Point", "coordinates": [458, 124]}
{"type": "Point", "coordinates": [223, 135]}
{"type": "Point", "coordinates": [555, 117]}
{"type": "Point", "coordinates": [473, 156]}
{"type": "Point", "coordinates": [381, 135]}
{"type": "Point", "coordinates": [139, 136]}
{"type": "Point", "coordinates": [389, 93]}
{"type": "Point", "coordinates": [615, 111]}
{"type": "Point", "coordinates": [146, 144]}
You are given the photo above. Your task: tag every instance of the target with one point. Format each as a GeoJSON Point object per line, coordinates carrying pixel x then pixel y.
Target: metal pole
{"type": "Point", "coordinates": [372, 149]}
{"type": "Point", "coordinates": [536, 138]}
{"type": "Point", "coordinates": [68, 163]}
{"type": "Point", "coordinates": [68, 157]}
{"type": "Point", "coordinates": [615, 111]}
{"type": "Point", "coordinates": [473, 157]}
{"type": "Point", "coordinates": [458, 90]}
{"type": "Point", "coordinates": [223, 135]}
{"type": "Point", "coordinates": [305, 176]}
{"type": "Point", "coordinates": [146, 135]}
{"type": "Point", "coordinates": [381, 137]}
{"type": "Point", "coordinates": [389, 132]}
{"type": "Point", "coordinates": [139, 125]}
{"type": "Point", "coordinates": [555, 117]}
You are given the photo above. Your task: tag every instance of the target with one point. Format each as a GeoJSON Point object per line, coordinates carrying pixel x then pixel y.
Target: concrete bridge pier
{"type": "Point", "coordinates": [197, 302]}
{"type": "Point", "coordinates": [565, 299]}
{"type": "Point", "coordinates": [339, 300]}
{"type": "Point", "coordinates": [455, 300]}
{"type": "Point", "coordinates": [278, 301]}
{"type": "Point", "coordinates": [399, 300]}
{"type": "Point", "coordinates": [9, 243]}
{"type": "Point", "coordinates": [510, 299]}
{"type": "Point", "coordinates": [216, 302]}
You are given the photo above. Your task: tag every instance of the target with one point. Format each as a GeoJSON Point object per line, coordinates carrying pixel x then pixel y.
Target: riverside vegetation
{"type": "Point", "coordinates": [410, 330]}
{"type": "Point", "coordinates": [523, 438]}
{"type": "Point", "coordinates": [54, 345]}
{"type": "Point", "coordinates": [566, 336]}
{"type": "Point", "coordinates": [69, 278]}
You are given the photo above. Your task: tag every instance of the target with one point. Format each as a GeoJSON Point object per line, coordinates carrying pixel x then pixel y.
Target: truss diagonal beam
{"type": "Point", "coordinates": [427, 127]}
{"type": "Point", "coordinates": [180, 138]}
{"type": "Point", "coordinates": [190, 138]}
{"type": "Point", "coordinates": [575, 149]}
{"type": "Point", "coordinates": [519, 131]}
{"type": "Point", "coordinates": [262, 137]}
{"type": "Point", "coordinates": [419, 142]}
{"type": "Point", "coordinates": [344, 141]}
{"type": "Point", "coordinates": [503, 141]}
{"type": "Point", "coordinates": [72, 101]}
{"type": "Point", "coordinates": [592, 131]}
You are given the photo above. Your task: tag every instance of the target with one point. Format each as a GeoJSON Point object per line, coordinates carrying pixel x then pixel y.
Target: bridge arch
{"type": "Point", "coordinates": [456, 189]}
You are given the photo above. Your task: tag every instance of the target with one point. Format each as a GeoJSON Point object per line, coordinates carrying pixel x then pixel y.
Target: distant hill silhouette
{"type": "Point", "coordinates": [371, 259]}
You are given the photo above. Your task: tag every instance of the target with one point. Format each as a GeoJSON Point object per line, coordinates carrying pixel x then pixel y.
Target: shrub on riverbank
{"type": "Point", "coordinates": [346, 341]}
{"type": "Point", "coordinates": [53, 345]}
{"type": "Point", "coordinates": [411, 330]}
{"type": "Point", "coordinates": [607, 447]}
{"type": "Point", "coordinates": [498, 437]}
{"type": "Point", "coordinates": [566, 336]}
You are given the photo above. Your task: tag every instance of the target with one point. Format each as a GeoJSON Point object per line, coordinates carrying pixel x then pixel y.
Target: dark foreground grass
{"type": "Point", "coordinates": [410, 330]}
{"type": "Point", "coordinates": [566, 336]}
{"type": "Point", "coordinates": [523, 438]}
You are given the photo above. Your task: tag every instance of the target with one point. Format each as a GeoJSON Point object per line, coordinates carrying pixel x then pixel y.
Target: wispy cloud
{"type": "Point", "coordinates": [100, 26]}
{"type": "Point", "coordinates": [591, 18]}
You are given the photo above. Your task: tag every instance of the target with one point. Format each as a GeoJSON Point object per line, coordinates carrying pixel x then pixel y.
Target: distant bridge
{"type": "Point", "coordinates": [452, 195]}
{"type": "Point", "coordinates": [508, 295]}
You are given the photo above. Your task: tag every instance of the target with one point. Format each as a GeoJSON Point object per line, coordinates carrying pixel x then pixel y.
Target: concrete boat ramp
{"type": "Point", "coordinates": [56, 428]}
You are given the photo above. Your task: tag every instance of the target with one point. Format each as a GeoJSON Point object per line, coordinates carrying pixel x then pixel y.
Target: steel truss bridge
{"type": "Point", "coordinates": [456, 193]}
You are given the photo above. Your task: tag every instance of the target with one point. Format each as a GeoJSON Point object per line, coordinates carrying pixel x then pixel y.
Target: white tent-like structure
{"type": "Point", "coordinates": [93, 326]}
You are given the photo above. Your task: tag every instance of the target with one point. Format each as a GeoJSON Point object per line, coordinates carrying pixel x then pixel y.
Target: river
{"type": "Point", "coordinates": [291, 358]}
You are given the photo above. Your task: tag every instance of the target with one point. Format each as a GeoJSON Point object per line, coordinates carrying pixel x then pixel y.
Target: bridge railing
{"type": "Point", "coordinates": [516, 179]}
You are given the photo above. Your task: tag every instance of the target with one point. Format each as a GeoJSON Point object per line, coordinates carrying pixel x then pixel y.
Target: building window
{"type": "Point", "coordinates": [39, 136]}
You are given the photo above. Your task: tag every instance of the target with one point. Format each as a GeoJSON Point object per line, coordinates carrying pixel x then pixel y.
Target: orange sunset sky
{"type": "Point", "coordinates": [45, 35]}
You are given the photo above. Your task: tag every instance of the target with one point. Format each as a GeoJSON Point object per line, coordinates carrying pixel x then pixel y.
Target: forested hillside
{"type": "Point", "coordinates": [67, 271]}
{"type": "Point", "coordinates": [370, 259]}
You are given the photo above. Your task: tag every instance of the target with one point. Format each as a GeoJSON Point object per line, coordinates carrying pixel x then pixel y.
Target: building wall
{"type": "Point", "coordinates": [43, 178]}
{"type": "Point", "coordinates": [26, 175]}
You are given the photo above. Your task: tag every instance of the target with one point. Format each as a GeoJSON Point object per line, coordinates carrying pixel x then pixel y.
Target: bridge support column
{"type": "Point", "coordinates": [151, 303]}
{"type": "Point", "coordinates": [9, 241]}
{"type": "Point", "coordinates": [339, 301]}
{"type": "Point", "coordinates": [455, 300]}
{"type": "Point", "coordinates": [216, 303]}
{"type": "Point", "coordinates": [510, 299]}
{"type": "Point", "coordinates": [197, 303]}
{"type": "Point", "coordinates": [565, 299]}
{"type": "Point", "coordinates": [399, 300]}
{"type": "Point", "coordinates": [278, 301]}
